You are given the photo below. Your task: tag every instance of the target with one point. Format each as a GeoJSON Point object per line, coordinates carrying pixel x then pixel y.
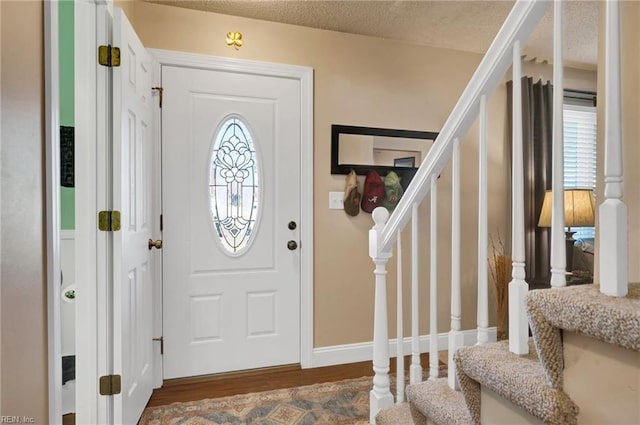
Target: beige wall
{"type": "Point", "coordinates": [630, 13]}
{"type": "Point", "coordinates": [0, 210]}
{"type": "Point", "coordinates": [23, 292]}
{"type": "Point", "coordinates": [368, 82]}
{"type": "Point", "coordinates": [575, 79]}
{"type": "Point", "coordinates": [128, 6]}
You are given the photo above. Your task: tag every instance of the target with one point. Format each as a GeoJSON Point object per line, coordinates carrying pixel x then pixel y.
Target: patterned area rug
{"type": "Point", "coordinates": [335, 403]}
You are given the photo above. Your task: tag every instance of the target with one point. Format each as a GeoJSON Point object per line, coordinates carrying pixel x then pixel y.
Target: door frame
{"type": "Point", "coordinates": [305, 76]}
{"type": "Point", "coordinates": [92, 27]}
{"type": "Point", "coordinates": [90, 197]}
{"type": "Point", "coordinates": [52, 177]}
{"type": "Point", "coordinates": [93, 23]}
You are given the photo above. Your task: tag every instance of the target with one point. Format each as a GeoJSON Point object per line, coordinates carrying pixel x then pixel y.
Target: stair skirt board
{"type": "Point", "coordinates": [602, 379]}
{"type": "Point", "coordinates": [363, 351]}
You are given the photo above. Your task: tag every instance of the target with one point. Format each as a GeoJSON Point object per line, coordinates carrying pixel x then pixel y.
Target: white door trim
{"type": "Point", "coordinates": [156, 204]}
{"type": "Point", "coordinates": [92, 27]}
{"type": "Point", "coordinates": [52, 170]}
{"type": "Point", "coordinates": [305, 76]}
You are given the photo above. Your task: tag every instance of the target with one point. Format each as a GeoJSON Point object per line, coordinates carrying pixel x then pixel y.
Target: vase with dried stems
{"type": "Point", "coordinates": [500, 268]}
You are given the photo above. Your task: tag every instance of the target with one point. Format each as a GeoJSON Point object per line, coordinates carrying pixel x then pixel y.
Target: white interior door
{"type": "Point", "coordinates": [132, 190]}
{"type": "Point", "coordinates": [231, 208]}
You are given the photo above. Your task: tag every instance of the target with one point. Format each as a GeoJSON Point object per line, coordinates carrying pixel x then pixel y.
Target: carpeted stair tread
{"type": "Point", "coordinates": [583, 309]}
{"type": "Point", "coordinates": [519, 379]}
{"type": "Point", "coordinates": [575, 308]}
{"type": "Point", "coordinates": [398, 414]}
{"type": "Point", "coordinates": [438, 402]}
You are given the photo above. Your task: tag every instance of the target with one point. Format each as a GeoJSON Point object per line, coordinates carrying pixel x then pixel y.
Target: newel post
{"type": "Point", "coordinates": [380, 396]}
{"type": "Point", "coordinates": [612, 214]}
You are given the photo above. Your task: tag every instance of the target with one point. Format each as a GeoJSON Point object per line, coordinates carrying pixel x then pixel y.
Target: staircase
{"type": "Point", "coordinates": [581, 363]}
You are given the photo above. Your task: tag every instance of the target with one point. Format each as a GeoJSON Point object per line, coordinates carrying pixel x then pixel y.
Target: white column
{"type": "Point", "coordinates": [399, 326]}
{"type": "Point", "coordinates": [455, 334]}
{"type": "Point", "coordinates": [380, 396]}
{"type": "Point", "coordinates": [518, 325]}
{"type": "Point", "coordinates": [433, 284]}
{"type": "Point", "coordinates": [558, 245]}
{"type": "Point", "coordinates": [483, 231]}
{"type": "Point", "coordinates": [612, 213]}
{"type": "Point", "coordinates": [415, 370]}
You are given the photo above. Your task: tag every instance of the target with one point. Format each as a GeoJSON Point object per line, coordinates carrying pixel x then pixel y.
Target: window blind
{"type": "Point", "coordinates": [580, 141]}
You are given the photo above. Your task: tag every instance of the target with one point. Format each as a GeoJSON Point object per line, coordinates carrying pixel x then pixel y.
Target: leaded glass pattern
{"type": "Point", "coordinates": [234, 186]}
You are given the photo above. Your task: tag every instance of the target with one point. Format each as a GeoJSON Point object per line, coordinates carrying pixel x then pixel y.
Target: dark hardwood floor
{"type": "Point", "coordinates": [226, 384]}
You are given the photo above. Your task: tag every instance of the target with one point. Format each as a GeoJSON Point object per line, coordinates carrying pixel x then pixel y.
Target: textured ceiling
{"type": "Point", "coordinates": [462, 25]}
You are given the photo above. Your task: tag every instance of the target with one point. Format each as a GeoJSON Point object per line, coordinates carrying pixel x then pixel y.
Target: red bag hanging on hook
{"type": "Point", "coordinates": [373, 192]}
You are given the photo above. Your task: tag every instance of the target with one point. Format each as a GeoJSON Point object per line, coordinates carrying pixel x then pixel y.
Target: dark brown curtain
{"type": "Point", "coordinates": [537, 119]}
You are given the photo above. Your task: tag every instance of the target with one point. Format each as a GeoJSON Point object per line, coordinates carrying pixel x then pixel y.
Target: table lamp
{"type": "Point", "coordinates": [579, 210]}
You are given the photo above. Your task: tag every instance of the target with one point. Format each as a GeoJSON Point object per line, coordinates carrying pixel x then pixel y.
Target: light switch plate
{"type": "Point", "coordinates": [336, 200]}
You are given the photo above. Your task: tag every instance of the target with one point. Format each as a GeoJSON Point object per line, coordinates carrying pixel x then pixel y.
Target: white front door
{"type": "Point", "coordinates": [231, 211]}
{"type": "Point", "coordinates": [132, 267]}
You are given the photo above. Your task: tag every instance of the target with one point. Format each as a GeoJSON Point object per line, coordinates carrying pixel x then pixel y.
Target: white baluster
{"type": "Point", "coordinates": [612, 212]}
{"type": "Point", "coordinates": [558, 244]}
{"type": "Point", "coordinates": [399, 328]}
{"type": "Point", "coordinates": [518, 325]}
{"type": "Point", "coordinates": [455, 334]}
{"type": "Point", "coordinates": [415, 370]}
{"type": "Point", "coordinates": [380, 396]}
{"type": "Point", "coordinates": [433, 270]}
{"type": "Point", "coordinates": [483, 230]}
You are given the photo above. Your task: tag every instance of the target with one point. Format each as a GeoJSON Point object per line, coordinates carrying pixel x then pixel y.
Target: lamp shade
{"type": "Point", "coordinates": [579, 208]}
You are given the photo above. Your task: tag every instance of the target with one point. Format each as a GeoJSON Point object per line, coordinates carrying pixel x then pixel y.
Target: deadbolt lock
{"type": "Point", "coordinates": [155, 244]}
{"type": "Point", "coordinates": [292, 225]}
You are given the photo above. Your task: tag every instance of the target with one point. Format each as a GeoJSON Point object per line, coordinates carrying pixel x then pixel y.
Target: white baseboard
{"type": "Point", "coordinates": [363, 351]}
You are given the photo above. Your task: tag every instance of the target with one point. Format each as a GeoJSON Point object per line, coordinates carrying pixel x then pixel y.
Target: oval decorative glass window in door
{"type": "Point", "coordinates": [234, 185]}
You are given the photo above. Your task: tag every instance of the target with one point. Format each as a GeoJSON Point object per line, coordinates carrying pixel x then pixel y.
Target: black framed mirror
{"type": "Point", "coordinates": [381, 149]}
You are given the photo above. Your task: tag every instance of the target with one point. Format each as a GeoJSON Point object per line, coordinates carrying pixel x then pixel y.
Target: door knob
{"type": "Point", "coordinates": [292, 245]}
{"type": "Point", "coordinates": [155, 244]}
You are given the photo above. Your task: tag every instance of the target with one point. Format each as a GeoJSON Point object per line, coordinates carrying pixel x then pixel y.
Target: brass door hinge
{"type": "Point", "coordinates": [110, 384]}
{"type": "Point", "coordinates": [161, 339]}
{"type": "Point", "coordinates": [109, 56]}
{"type": "Point", "coordinates": [109, 221]}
